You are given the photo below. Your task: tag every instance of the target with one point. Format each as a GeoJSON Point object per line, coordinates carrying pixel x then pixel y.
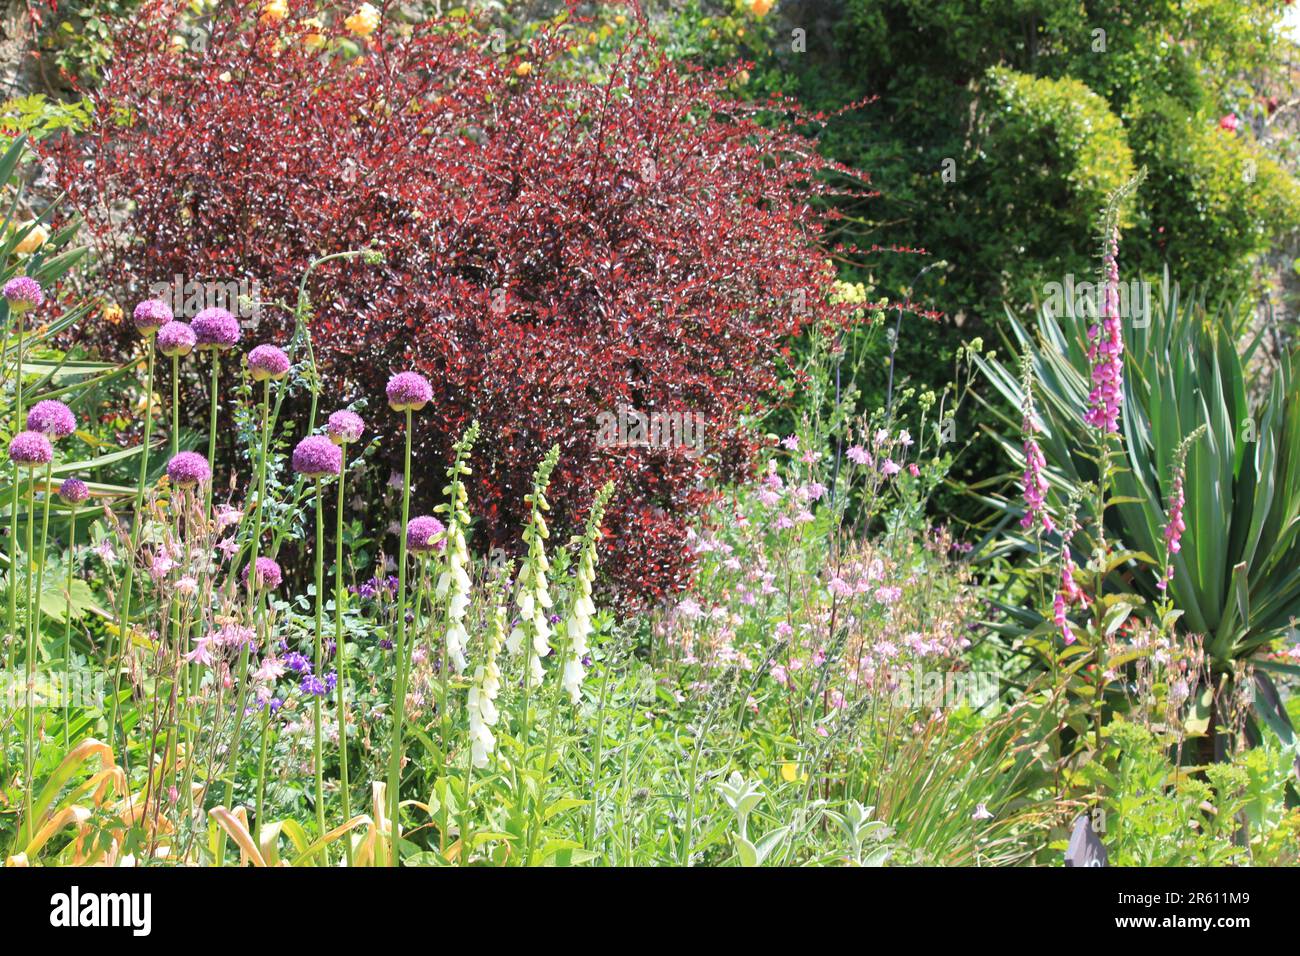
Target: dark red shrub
{"type": "Point", "coordinates": [555, 244]}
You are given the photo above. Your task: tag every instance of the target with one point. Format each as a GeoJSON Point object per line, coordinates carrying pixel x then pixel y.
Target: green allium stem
{"type": "Point", "coordinates": [340, 660]}
{"type": "Point", "coordinates": [399, 682]}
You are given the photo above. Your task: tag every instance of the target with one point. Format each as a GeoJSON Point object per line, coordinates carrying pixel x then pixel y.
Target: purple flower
{"type": "Point", "coordinates": [424, 534]}
{"type": "Point", "coordinates": [312, 686]}
{"type": "Point", "coordinates": [1035, 485]}
{"type": "Point", "coordinates": [345, 427]}
{"type": "Point", "coordinates": [175, 339]}
{"type": "Point", "coordinates": [317, 456]}
{"type": "Point", "coordinates": [23, 293]}
{"type": "Point", "coordinates": [268, 574]}
{"type": "Point", "coordinates": [215, 329]}
{"type": "Point", "coordinates": [73, 491]}
{"type": "Point", "coordinates": [188, 469]}
{"type": "Point", "coordinates": [267, 362]}
{"type": "Point", "coordinates": [331, 681]}
{"type": "Point", "coordinates": [298, 663]}
{"type": "Point", "coordinates": [29, 449]}
{"type": "Point", "coordinates": [151, 315]}
{"type": "Point", "coordinates": [408, 390]}
{"type": "Point", "coordinates": [51, 418]}
{"type": "Point", "coordinates": [1174, 528]}
{"type": "Point", "coordinates": [1106, 350]}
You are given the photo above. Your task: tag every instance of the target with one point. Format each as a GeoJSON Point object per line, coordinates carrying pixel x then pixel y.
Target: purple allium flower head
{"type": "Point", "coordinates": [424, 533]}
{"type": "Point", "coordinates": [215, 329]}
{"type": "Point", "coordinates": [52, 418]}
{"type": "Point", "coordinates": [151, 315]}
{"type": "Point", "coordinates": [317, 456]}
{"type": "Point", "coordinates": [345, 427]}
{"type": "Point", "coordinates": [189, 468]}
{"type": "Point", "coordinates": [409, 390]}
{"type": "Point", "coordinates": [73, 491]}
{"type": "Point", "coordinates": [268, 574]}
{"type": "Point", "coordinates": [29, 449]}
{"type": "Point", "coordinates": [23, 293]}
{"type": "Point", "coordinates": [267, 361]}
{"type": "Point", "coordinates": [176, 338]}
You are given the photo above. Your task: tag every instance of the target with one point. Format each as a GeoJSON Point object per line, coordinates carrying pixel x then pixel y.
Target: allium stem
{"type": "Point", "coordinates": [29, 711]}
{"type": "Point", "coordinates": [340, 660]}
{"type": "Point", "coordinates": [320, 655]}
{"type": "Point", "coordinates": [399, 681]}
{"type": "Point", "coordinates": [137, 522]}
{"type": "Point", "coordinates": [212, 428]}
{"type": "Point", "coordinates": [67, 617]}
{"type": "Point", "coordinates": [176, 405]}
{"type": "Point", "coordinates": [11, 630]}
{"type": "Point", "coordinates": [45, 536]}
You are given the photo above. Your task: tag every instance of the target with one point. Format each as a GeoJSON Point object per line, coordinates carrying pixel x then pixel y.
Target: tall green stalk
{"type": "Point", "coordinates": [316, 714]}
{"type": "Point", "coordinates": [137, 522]}
{"type": "Point", "coordinates": [11, 630]}
{"type": "Point", "coordinates": [399, 682]}
{"type": "Point", "coordinates": [340, 659]}
{"type": "Point", "coordinates": [67, 616]}
{"type": "Point", "coordinates": [29, 711]}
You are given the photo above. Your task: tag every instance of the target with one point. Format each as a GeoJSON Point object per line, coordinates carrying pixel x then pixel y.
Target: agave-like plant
{"type": "Point", "coordinates": [1236, 580]}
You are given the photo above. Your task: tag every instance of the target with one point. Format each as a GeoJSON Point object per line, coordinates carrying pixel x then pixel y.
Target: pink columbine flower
{"type": "Point", "coordinates": [1106, 349]}
{"type": "Point", "coordinates": [889, 467]}
{"type": "Point", "coordinates": [858, 455]}
{"type": "Point", "coordinates": [1229, 122]}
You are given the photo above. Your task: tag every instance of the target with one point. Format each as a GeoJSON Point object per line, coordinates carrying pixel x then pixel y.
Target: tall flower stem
{"type": "Point", "coordinates": [29, 711]}
{"type": "Point", "coordinates": [176, 405]}
{"type": "Point", "coordinates": [320, 655]}
{"type": "Point", "coordinates": [212, 428]}
{"type": "Point", "coordinates": [45, 536]}
{"type": "Point", "coordinates": [11, 622]}
{"type": "Point", "coordinates": [137, 523]}
{"type": "Point", "coordinates": [67, 617]}
{"type": "Point", "coordinates": [340, 659]}
{"type": "Point", "coordinates": [399, 681]}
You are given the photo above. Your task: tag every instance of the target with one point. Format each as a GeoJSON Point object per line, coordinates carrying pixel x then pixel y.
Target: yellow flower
{"type": "Point", "coordinates": [523, 68]}
{"type": "Point", "coordinates": [790, 773]}
{"type": "Point", "coordinates": [742, 77]}
{"type": "Point", "coordinates": [620, 19]}
{"type": "Point", "coordinates": [33, 240]}
{"type": "Point", "coordinates": [759, 8]}
{"type": "Point", "coordinates": [315, 39]}
{"type": "Point", "coordinates": [112, 313]}
{"type": "Point", "coordinates": [273, 12]}
{"type": "Point", "coordinates": [364, 22]}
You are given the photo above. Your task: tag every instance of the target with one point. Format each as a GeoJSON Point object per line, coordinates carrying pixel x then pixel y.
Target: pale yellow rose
{"type": "Point", "coordinates": [273, 12]}
{"type": "Point", "coordinates": [32, 241]}
{"type": "Point", "coordinates": [364, 22]}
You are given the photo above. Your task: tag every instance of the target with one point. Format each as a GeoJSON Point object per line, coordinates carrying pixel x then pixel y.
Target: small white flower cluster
{"type": "Point", "coordinates": [534, 598]}
{"type": "Point", "coordinates": [454, 582]}
{"type": "Point", "coordinates": [578, 627]}
{"type": "Point", "coordinates": [483, 691]}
